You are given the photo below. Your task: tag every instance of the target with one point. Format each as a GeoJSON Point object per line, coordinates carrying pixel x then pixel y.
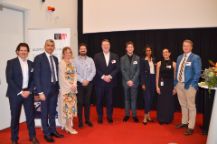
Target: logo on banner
{"type": "Point", "coordinates": [60, 36]}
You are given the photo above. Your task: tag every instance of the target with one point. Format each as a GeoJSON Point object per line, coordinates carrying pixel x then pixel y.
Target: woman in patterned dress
{"type": "Point", "coordinates": [67, 102]}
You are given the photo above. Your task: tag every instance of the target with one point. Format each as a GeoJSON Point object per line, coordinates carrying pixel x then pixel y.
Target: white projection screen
{"type": "Point", "coordinates": [125, 15]}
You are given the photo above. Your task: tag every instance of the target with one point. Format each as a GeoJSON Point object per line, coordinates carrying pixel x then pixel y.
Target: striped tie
{"type": "Point", "coordinates": [182, 68]}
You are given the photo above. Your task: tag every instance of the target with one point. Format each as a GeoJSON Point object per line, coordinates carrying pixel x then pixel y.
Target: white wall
{"type": "Point", "coordinates": [125, 15]}
{"type": "Point", "coordinates": [37, 16]}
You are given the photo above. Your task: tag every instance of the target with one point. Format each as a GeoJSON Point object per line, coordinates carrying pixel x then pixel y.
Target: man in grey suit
{"type": "Point", "coordinates": [130, 65]}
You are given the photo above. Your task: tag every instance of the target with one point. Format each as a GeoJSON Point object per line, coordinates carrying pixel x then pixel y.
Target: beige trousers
{"type": "Point", "coordinates": [186, 99]}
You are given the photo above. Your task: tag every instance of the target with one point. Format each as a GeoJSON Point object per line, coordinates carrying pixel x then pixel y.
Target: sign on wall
{"type": "Point", "coordinates": [36, 41]}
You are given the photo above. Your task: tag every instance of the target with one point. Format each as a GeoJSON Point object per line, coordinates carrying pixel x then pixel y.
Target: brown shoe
{"type": "Point", "coordinates": [34, 140]}
{"type": "Point", "coordinates": [188, 132]}
{"type": "Point", "coordinates": [181, 126]}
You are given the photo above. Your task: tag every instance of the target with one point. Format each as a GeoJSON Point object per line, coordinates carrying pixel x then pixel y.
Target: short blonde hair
{"type": "Point", "coordinates": [189, 41]}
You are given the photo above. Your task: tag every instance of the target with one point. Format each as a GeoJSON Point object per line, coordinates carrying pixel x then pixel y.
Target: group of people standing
{"type": "Point", "coordinates": [69, 85]}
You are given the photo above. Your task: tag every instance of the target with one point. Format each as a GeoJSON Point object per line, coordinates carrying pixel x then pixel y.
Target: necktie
{"type": "Point", "coordinates": [182, 68]}
{"type": "Point", "coordinates": [52, 69]}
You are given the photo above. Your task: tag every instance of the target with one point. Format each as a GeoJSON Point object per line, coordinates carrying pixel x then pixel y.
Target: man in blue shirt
{"type": "Point", "coordinates": [86, 71]}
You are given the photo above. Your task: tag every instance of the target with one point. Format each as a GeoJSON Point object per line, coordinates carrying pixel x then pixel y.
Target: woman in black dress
{"type": "Point", "coordinates": [165, 73]}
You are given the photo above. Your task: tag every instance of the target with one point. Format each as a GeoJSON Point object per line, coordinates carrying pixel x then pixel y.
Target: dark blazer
{"type": "Point", "coordinates": [101, 68]}
{"type": "Point", "coordinates": [42, 73]}
{"type": "Point", "coordinates": [145, 71]}
{"type": "Point", "coordinates": [14, 77]}
{"type": "Point", "coordinates": [130, 70]}
{"type": "Point", "coordinates": [192, 70]}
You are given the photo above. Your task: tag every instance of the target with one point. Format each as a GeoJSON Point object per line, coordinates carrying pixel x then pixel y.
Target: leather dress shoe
{"type": "Point", "coordinates": [110, 120]}
{"type": "Point", "coordinates": [48, 139]}
{"type": "Point", "coordinates": [89, 123]}
{"type": "Point", "coordinates": [135, 119]}
{"type": "Point", "coordinates": [181, 126]}
{"type": "Point", "coordinates": [188, 132]}
{"type": "Point", "coordinates": [34, 140]}
{"type": "Point", "coordinates": [57, 135]}
{"type": "Point", "coordinates": [126, 118]}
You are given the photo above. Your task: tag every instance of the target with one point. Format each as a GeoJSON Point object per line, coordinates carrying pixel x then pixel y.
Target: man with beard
{"type": "Point", "coordinates": [86, 71]}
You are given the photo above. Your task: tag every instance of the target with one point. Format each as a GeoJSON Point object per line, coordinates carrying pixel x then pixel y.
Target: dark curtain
{"type": "Point", "coordinates": [205, 45]}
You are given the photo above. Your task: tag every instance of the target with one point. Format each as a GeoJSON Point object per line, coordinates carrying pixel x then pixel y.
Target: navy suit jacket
{"type": "Point", "coordinates": [42, 73]}
{"type": "Point", "coordinates": [14, 77]}
{"type": "Point", "coordinates": [192, 70]}
{"type": "Point", "coordinates": [145, 71]}
{"type": "Point", "coordinates": [101, 68]}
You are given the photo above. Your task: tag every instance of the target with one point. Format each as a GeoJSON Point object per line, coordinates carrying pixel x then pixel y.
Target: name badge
{"type": "Point", "coordinates": [188, 63]}
{"type": "Point", "coordinates": [169, 66]}
{"type": "Point", "coordinates": [32, 70]}
{"type": "Point", "coordinates": [161, 83]}
{"type": "Point", "coordinates": [113, 61]}
{"type": "Point", "coordinates": [135, 62]}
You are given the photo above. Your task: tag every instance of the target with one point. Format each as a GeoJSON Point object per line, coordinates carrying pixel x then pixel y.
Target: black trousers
{"type": "Point", "coordinates": [83, 98]}
{"type": "Point", "coordinates": [16, 103]}
{"type": "Point", "coordinates": [104, 91]}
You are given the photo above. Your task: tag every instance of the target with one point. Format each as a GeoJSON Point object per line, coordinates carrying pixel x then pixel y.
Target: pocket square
{"type": "Point", "coordinates": [113, 61]}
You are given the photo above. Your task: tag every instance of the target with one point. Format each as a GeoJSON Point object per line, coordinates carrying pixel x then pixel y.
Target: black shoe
{"type": "Point", "coordinates": [34, 140]}
{"type": "Point", "coordinates": [57, 135]}
{"type": "Point", "coordinates": [110, 120]}
{"type": "Point", "coordinates": [126, 118]}
{"type": "Point", "coordinates": [135, 119]}
{"type": "Point", "coordinates": [49, 139]}
{"type": "Point", "coordinates": [188, 132]}
{"type": "Point", "coordinates": [100, 121]}
{"type": "Point", "coordinates": [181, 126]}
{"type": "Point", "coordinates": [14, 142]}
{"type": "Point", "coordinates": [161, 123]}
{"type": "Point", "coordinates": [80, 125]}
{"type": "Point", "coordinates": [89, 123]}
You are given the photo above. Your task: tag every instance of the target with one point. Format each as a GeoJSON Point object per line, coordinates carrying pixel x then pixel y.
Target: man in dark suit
{"type": "Point", "coordinates": [107, 67]}
{"type": "Point", "coordinates": [19, 75]}
{"type": "Point", "coordinates": [47, 87]}
{"type": "Point", "coordinates": [130, 68]}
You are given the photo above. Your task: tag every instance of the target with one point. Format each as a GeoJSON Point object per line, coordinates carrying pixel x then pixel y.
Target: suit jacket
{"type": "Point", "coordinates": [42, 73]}
{"type": "Point", "coordinates": [130, 70]}
{"type": "Point", "coordinates": [101, 68]}
{"type": "Point", "coordinates": [14, 77]}
{"type": "Point", "coordinates": [192, 70]}
{"type": "Point", "coordinates": [145, 71]}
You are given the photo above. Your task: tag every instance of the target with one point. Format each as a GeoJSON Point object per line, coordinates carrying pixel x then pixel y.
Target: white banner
{"type": "Point", "coordinates": [36, 41]}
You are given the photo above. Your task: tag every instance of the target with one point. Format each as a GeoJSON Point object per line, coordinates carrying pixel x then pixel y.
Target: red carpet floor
{"type": "Point", "coordinates": [119, 132]}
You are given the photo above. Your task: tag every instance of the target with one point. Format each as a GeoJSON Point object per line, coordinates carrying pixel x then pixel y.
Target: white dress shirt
{"type": "Point", "coordinates": [25, 72]}
{"type": "Point", "coordinates": [55, 72]}
{"type": "Point", "coordinates": [183, 74]}
{"type": "Point", "coordinates": [151, 65]}
{"type": "Point", "coordinates": [107, 57]}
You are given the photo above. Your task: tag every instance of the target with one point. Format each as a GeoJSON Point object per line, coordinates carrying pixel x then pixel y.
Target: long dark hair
{"type": "Point", "coordinates": [147, 46]}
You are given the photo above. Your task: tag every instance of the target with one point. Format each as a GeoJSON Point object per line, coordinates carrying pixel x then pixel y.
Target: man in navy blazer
{"type": "Point", "coordinates": [47, 87]}
{"type": "Point", "coordinates": [107, 67]}
{"type": "Point", "coordinates": [19, 75]}
{"type": "Point", "coordinates": [188, 72]}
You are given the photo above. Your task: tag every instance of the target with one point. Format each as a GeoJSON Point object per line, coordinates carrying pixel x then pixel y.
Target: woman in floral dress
{"type": "Point", "coordinates": [67, 102]}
